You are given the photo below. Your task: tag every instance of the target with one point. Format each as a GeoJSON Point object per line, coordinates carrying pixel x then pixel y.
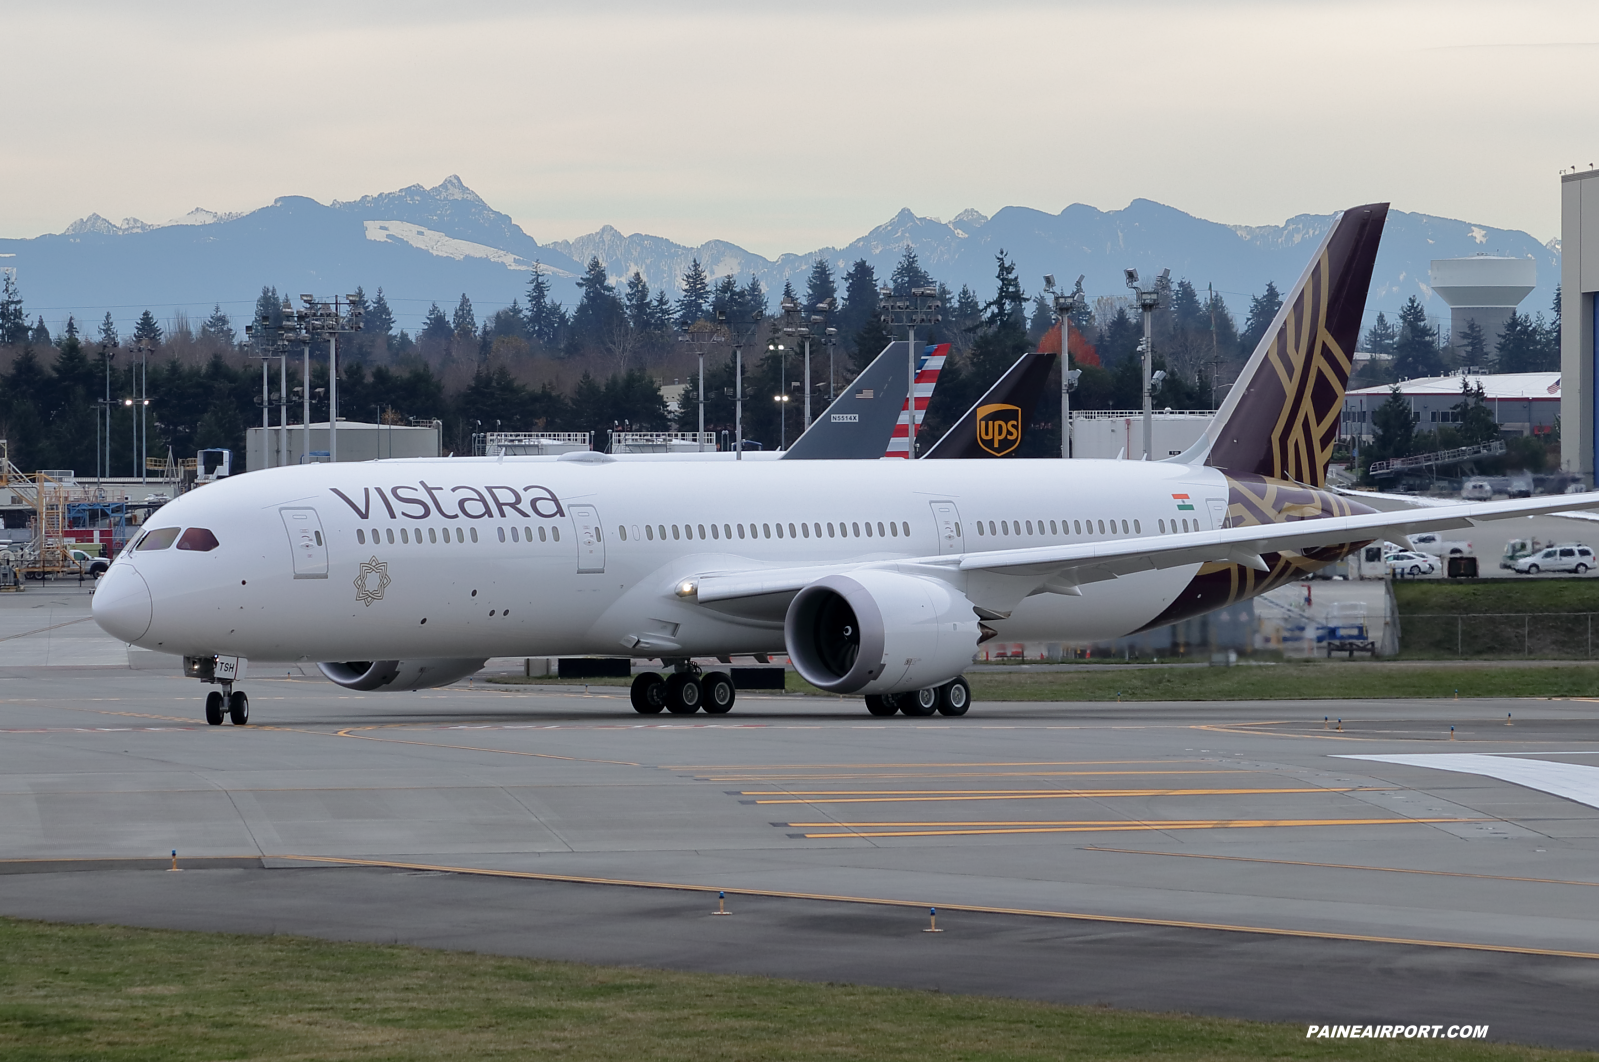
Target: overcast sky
{"type": "Point", "coordinates": [785, 128]}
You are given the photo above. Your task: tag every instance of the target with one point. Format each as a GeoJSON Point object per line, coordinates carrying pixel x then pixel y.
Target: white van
{"type": "Point", "coordinates": [1477, 490]}
{"type": "Point", "coordinates": [1567, 557]}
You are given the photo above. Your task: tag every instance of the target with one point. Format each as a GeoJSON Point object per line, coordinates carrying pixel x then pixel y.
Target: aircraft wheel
{"type": "Point", "coordinates": [954, 697]}
{"type": "Point", "coordinates": [213, 707]}
{"type": "Point", "coordinates": [923, 702]}
{"type": "Point", "coordinates": [719, 692]}
{"type": "Point", "coordinates": [683, 693]}
{"type": "Point", "coordinates": [648, 693]}
{"type": "Point", "coordinates": [879, 704]}
{"type": "Point", "coordinates": [238, 708]}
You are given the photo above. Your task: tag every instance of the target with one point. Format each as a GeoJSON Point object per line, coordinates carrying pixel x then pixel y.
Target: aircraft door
{"type": "Point", "coordinates": [590, 538]}
{"type": "Point", "coordinates": [951, 535]}
{"type": "Point", "coordinates": [307, 543]}
{"type": "Point", "coordinates": [1218, 513]}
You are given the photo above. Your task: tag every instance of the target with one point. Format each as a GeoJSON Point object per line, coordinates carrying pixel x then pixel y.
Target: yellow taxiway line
{"type": "Point", "coordinates": [1076, 916]}
{"type": "Point", "coordinates": [918, 796]}
{"type": "Point", "coordinates": [1104, 826]}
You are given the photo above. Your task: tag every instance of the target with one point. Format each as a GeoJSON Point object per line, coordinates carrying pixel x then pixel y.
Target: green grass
{"type": "Point", "coordinates": [1313, 681]}
{"type": "Point", "coordinates": [1469, 597]}
{"type": "Point", "coordinates": [1499, 618]}
{"type": "Point", "coordinates": [109, 993]}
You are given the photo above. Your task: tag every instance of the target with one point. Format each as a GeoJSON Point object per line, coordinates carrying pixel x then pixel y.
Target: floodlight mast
{"type": "Point", "coordinates": [1065, 306]}
{"type": "Point", "coordinates": [699, 336]}
{"type": "Point", "coordinates": [330, 318]}
{"type": "Point", "coordinates": [1148, 299]}
{"type": "Point", "coordinates": [740, 328]}
{"type": "Point", "coordinates": [920, 307]}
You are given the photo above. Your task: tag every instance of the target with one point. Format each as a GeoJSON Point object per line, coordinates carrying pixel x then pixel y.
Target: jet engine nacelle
{"type": "Point", "coordinates": [880, 632]}
{"type": "Point", "coordinates": [394, 675]}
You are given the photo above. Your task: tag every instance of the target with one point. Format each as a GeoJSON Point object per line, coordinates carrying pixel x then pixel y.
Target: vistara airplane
{"type": "Point", "coordinates": [877, 578]}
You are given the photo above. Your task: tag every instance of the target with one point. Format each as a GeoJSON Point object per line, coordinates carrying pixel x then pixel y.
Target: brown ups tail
{"type": "Point", "coordinates": [1281, 418]}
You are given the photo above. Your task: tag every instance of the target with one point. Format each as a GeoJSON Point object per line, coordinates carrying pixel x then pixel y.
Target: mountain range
{"type": "Point", "coordinates": [429, 245]}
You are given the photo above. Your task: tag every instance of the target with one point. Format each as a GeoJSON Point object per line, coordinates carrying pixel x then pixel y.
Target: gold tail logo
{"type": "Point", "coordinates": [999, 428]}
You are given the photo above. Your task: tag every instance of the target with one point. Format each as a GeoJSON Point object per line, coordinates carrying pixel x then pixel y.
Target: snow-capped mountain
{"type": "Point", "coordinates": [426, 245]}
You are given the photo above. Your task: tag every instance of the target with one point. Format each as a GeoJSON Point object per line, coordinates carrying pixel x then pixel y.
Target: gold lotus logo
{"type": "Point", "coordinates": [999, 428]}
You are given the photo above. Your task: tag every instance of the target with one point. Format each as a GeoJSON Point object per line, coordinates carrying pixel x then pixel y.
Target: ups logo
{"type": "Point", "coordinates": [999, 428]}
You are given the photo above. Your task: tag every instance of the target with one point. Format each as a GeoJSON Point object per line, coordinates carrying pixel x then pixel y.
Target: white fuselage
{"type": "Point", "coordinates": [484, 557]}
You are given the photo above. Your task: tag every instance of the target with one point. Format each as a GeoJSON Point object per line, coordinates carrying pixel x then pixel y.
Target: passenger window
{"type": "Point", "coordinates": [1137, 530]}
{"type": "Point", "coordinates": [1162, 524]}
{"type": "Point", "coordinates": [740, 530]}
{"type": "Point", "coordinates": [660, 530]}
{"type": "Point", "coordinates": [805, 530]}
{"type": "Point", "coordinates": [405, 537]}
{"type": "Point", "coordinates": [599, 533]}
{"type": "Point", "coordinates": [375, 536]}
{"type": "Point", "coordinates": [791, 531]}
{"type": "Point", "coordinates": [1029, 527]}
{"type": "Point", "coordinates": [360, 537]}
{"type": "Point", "coordinates": [1102, 527]}
{"type": "Point", "coordinates": [515, 535]}
{"type": "Point", "coordinates": [979, 527]}
{"type": "Point", "coordinates": [527, 533]}
{"type": "Point", "coordinates": [621, 532]}
{"type": "Point", "coordinates": [555, 533]}
{"type": "Point", "coordinates": [389, 534]}
{"type": "Point", "coordinates": [649, 532]}
{"type": "Point", "coordinates": [856, 528]}
{"type": "Point", "coordinates": [1052, 528]}
{"type": "Point", "coordinates": [818, 528]}
{"type": "Point", "coordinates": [501, 532]}
{"type": "Point", "coordinates": [433, 535]}
{"type": "Point", "coordinates": [474, 534]}
{"type": "Point", "coordinates": [893, 529]}
{"type": "Point", "coordinates": [198, 539]}
{"type": "Point", "coordinates": [1125, 530]}
{"type": "Point", "coordinates": [830, 530]}
{"type": "Point", "coordinates": [1077, 527]}
{"type": "Point", "coordinates": [541, 532]}
{"type": "Point", "coordinates": [318, 535]}
{"type": "Point", "coordinates": [779, 530]}
{"type": "Point", "coordinates": [1185, 525]}
{"type": "Point", "coordinates": [702, 531]}
{"type": "Point", "coordinates": [767, 529]}
{"type": "Point", "coordinates": [674, 533]}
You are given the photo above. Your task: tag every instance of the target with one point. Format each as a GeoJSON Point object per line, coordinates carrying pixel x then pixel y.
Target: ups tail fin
{"type": "Point", "coordinates": [995, 425]}
{"type": "Point", "coordinates": [1281, 417]}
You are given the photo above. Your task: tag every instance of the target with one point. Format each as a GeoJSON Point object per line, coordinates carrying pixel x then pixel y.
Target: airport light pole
{"type": "Point", "coordinates": [920, 307]}
{"type": "Point", "coordinates": [699, 336]}
{"type": "Point", "coordinates": [332, 318]}
{"type": "Point", "coordinates": [1065, 306]}
{"type": "Point", "coordinates": [144, 349]}
{"type": "Point", "coordinates": [1148, 299]}
{"type": "Point", "coordinates": [741, 328]}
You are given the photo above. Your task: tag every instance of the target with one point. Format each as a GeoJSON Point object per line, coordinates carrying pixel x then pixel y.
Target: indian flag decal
{"type": "Point", "coordinates": [1183, 504]}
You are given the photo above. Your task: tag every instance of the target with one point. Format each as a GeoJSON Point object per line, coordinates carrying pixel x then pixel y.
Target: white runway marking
{"type": "Point", "coordinates": [1574, 781]}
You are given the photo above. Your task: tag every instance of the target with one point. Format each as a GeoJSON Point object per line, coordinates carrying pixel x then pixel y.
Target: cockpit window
{"type": "Point", "coordinates": [160, 538]}
{"type": "Point", "coordinates": [198, 539]}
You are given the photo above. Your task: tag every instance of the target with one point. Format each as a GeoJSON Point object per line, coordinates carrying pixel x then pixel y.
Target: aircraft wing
{"type": "Point", "coordinates": [1070, 564]}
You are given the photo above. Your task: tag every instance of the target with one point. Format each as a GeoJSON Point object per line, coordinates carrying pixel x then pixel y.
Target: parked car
{"type": "Point", "coordinates": [1434, 543]}
{"type": "Point", "coordinates": [1477, 490]}
{"type": "Point", "coordinates": [1566, 557]}
{"type": "Point", "coordinates": [1411, 564]}
{"type": "Point", "coordinates": [88, 563]}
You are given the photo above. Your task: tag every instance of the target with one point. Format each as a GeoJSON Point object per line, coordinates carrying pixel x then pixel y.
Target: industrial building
{"type": "Point", "coordinates": [1119, 433]}
{"type": "Point", "coordinates": [1523, 403]}
{"type": "Point", "coordinates": [358, 441]}
{"type": "Point", "coordinates": [1579, 279]}
{"type": "Point", "coordinates": [1483, 288]}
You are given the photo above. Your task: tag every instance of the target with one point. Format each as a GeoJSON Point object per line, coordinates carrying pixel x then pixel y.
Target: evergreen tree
{"type": "Point", "coordinates": [435, 327]}
{"type": "Point", "coordinates": [819, 286]}
{"type": "Point", "coordinates": [1220, 319]}
{"type": "Point", "coordinates": [545, 317]}
{"type": "Point", "coordinates": [40, 336]}
{"type": "Point", "coordinates": [70, 333]}
{"type": "Point", "coordinates": [967, 313]}
{"type": "Point", "coordinates": [1473, 349]}
{"type": "Point", "coordinates": [1005, 309]}
{"type": "Point", "coordinates": [660, 313]}
{"type": "Point", "coordinates": [1521, 347]}
{"type": "Point", "coordinates": [1380, 337]}
{"type": "Point", "coordinates": [268, 307]}
{"type": "Point", "coordinates": [1474, 421]}
{"type": "Point", "coordinates": [908, 274]}
{"type": "Point", "coordinates": [1393, 428]}
{"type": "Point", "coordinates": [860, 308]}
{"type": "Point", "coordinates": [1118, 342]}
{"type": "Point", "coordinates": [869, 341]}
{"type": "Point", "coordinates": [599, 313]}
{"type": "Point", "coordinates": [464, 323]}
{"type": "Point", "coordinates": [790, 293]}
{"type": "Point", "coordinates": [13, 319]}
{"type": "Point", "coordinates": [379, 319]}
{"type": "Point", "coordinates": [1043, 318]}
{"type": "Point", "coordinates": [1262, 310]}
{"type": "Point", "coordinates": [754, 299]}
{"type": "Point", "coordinates": [1416, 349]}
{"type": "Point", "coordinates": [1186, 308]}
{"type": "Point", "coordinates": [217, 327]}
{"type": "Point", "coordinates": [108, 331]}
{"type": "Point", "coordinates": [639, 313]}
{"type": "Point", "coordinates": [695, 302]}
{"type": "Point", "coordinates": [725, 300]}
{"type": "Point", "coordinates": [145, 330]}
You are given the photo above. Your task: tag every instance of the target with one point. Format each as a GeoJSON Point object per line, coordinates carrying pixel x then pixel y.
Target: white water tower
{"type": "Point", "coordinates": [1483, 288]}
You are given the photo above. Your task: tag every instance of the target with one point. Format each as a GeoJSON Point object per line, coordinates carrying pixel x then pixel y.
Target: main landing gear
{"type": "Point", "coordinates": [683, 692]}
{"type": "Point", "coordinates": [952, 698]}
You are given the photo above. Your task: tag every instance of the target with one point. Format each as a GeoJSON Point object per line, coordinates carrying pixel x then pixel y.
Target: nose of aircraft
{"type": "Point", "coordinates": [122, 603]}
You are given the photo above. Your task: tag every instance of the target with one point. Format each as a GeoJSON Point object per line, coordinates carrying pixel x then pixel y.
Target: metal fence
{"type": "Point", "coordinates": [1550, 635]}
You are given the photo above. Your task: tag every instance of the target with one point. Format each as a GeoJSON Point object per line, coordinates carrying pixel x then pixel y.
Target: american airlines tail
{"type": "Point", "coordinates": [1281, 417]}
{"type": "Point", "coordinates": [927, 370]}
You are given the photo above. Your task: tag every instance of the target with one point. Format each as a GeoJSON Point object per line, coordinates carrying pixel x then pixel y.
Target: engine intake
{"type": "Point", "coordinates": [880, 632]}
{"type": "Point", "coordinates": [396, 675]}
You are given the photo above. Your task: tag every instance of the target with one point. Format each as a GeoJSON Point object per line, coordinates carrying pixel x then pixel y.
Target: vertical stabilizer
{"type": "Point", "coordinates": [859, 425]}
{"type": "Point", "coordinates": [927, 370]}
{"type": "Point", "coordinates": [1281, 417]}
{"type": "Point", "coordinates": [994, 426]}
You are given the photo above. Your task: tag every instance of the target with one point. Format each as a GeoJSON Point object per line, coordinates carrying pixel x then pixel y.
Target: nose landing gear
{"type": "Point", "coordinates": [226, 701]}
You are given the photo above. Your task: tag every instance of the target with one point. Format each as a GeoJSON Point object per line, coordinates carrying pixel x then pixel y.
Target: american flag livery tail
{"type": "Point", "coordinates": [927, 371]}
